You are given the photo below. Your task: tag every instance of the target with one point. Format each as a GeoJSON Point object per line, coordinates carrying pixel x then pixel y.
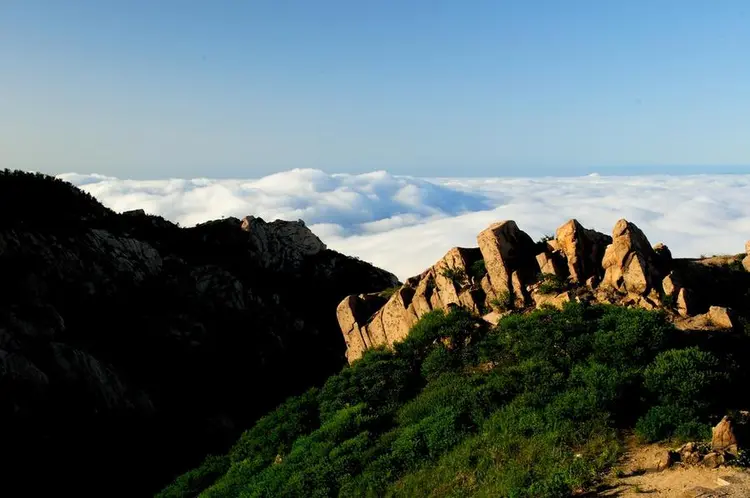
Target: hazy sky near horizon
{"type": "Point", "coordinates": [155, 89]}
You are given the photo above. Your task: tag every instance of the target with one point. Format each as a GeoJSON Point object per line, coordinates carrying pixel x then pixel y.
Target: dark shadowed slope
{"type": "Point", "coordinates": [130, 347]}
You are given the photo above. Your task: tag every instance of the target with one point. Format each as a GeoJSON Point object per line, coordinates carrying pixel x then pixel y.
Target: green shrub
{"type": "Point", "coordinates": [662, 421]}
{"type": "Point", "coordinates": [456, 275]}
{"type": "Point", "coordinates": [478, 270]}
{"type": "Point", "coordinates": [193, 482]}
{"type": "Point", "coordinates": [531, 408]}
{"type": "Point", "coordinates": [381, 379]}
{"type": "Point", "coordinates": [390, 291]}
{"type": "Point", "coordinates": [275, 433]}
{"type": "Point", "coordinates": [505, 301]}
{"type": "Point", "coordinates": [684, 377]}
{"type": "Point", "coordinates": [550, 283]}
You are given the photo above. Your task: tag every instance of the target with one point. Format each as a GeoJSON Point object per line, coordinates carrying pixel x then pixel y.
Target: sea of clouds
{"type": "Point", "coordinates": [405, 224]}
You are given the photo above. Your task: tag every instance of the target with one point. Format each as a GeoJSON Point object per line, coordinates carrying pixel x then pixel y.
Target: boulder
{"type": "Point", "coordinates": [713, 460]}
{"type": "Point", "coordinates": [552, 264]}
{"type": "Point", "coordinates": [721, 317]}
{"type": "Point", "coordinates": [630, 263]}
{"type": "Point", "coordinates": [509, 256]}
{"type": "Point", "coordinates": [681, 297]}
{"type": "Point", "coordinates": [583, 250]}
{"type": "Point", "coordinates": [684, 302]}
{"type": "Point", "coordinates": [494, 317]}
{"type": "Point", "coordinates": [664, 460]}
{"type": "Point", "coordinates": [452, 281]}
{"type": "Point", "coordinates": [723, 438]}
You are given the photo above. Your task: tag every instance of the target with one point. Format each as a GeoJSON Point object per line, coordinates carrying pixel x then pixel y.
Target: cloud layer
{"type": "Point", "coordinates": [404, 224]}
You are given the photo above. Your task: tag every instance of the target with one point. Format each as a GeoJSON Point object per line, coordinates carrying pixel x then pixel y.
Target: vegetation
{"type": "Point", "coordinates": [531, 408]}
{"type": "Point", "coordinates": [550, 283]}
{"type": "Point", "coordinates": [456, 275]}
{"type": "Point", "coordinates": [478, 270]}
{"type": "Point", "coordinates": [505, 301]}
{"type": "Point", "coordinates": [387, 293]}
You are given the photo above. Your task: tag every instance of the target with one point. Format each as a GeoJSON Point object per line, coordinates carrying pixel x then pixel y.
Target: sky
{"type": "Point", "coordinates": [406, 224]}
{"type": "Point", "coordinates": [147, 89]}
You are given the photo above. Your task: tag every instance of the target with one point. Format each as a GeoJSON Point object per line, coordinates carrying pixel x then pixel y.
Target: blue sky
{"type": "Point", "coordinates": [152, 89]}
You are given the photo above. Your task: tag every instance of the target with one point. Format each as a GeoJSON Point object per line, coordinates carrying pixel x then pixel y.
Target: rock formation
{"type": "Point", "coordinates": [123, 335]}
{"type": "Point", "coordinates": [583, 250]}
{"type": "Point", "coordinates": [578, 264]}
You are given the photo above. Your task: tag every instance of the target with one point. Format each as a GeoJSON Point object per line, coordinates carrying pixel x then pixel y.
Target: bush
{"type": "Point", "coordinates": [195, 481]}
{"type": "Point", "coordinates": [684, 377]}
{"type": "Point", "coordinates": [552, 284]}
{"type": "Point", "coordinates": [275, 433]}
{"type": "Point", "coordinates": [478, 270]}
{"type": "Point", "coordinates": [390, 291]}
{"type": "Point", "coordinates": [380, 379]}
{"type": "Point", "coordinates": [531, 408]}
{"type": "Point", "coordinates": [663, 421]}
{"type": "Point", "coordinates": [505, 301]}
{"type": "Point", "coordinates": [455, 275]}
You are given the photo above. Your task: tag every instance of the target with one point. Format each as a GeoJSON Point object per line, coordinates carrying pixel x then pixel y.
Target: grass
{"type": "Point", "coordinates": [552, 284]}
{"type": "Point", "coordinates": [390, 291]}
{"type": "Point", "coordinates": [530, 408]}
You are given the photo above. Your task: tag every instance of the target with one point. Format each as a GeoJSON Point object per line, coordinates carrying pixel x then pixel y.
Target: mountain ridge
{"type": "Point", "coordinates": [121, 334]}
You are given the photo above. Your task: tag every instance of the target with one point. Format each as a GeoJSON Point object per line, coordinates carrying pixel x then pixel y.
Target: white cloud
{"type": "Point", "coordinates": [405, 224]}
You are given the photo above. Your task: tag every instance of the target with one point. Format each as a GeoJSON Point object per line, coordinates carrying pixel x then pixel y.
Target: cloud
{"type": "Point", "coordinates": [405, 224]}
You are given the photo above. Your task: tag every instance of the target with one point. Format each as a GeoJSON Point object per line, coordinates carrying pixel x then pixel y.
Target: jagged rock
{"type": "Point", "coordinates": [629, 261]}
{"type": "Point", "coordinates": [507, 250]}
{"type": "Point", "coordinates": [684, 302]}
{"type": "Point", "coordinates": [723, 438]}
{"type": "Point", "coordinates": [716, 318]}
{"type": "Point", "coordinates": [550, 263]}
{"type": "Point", "coordinates": [721, 317]}
{"type": "Point", "coordinates": [682, 297]}
{"type": "Point", "coordinates": [443, 286]}
{"type": "Point", "coordinates": [494, 317]}
{"type": "Point", "coordinates": [352, 314]}
{"type": "Point", "coordinates": [281, 243]}
{"type": "Point", "coordinates": [583, 249]}
{"type": "Point", "coordinates": [452, 281]}
{"type": "Point", "coordinates": [663, 252]}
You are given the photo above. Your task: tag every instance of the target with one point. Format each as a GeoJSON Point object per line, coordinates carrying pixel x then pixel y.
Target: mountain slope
{"type": "Point", "coordinates": [131, 347]}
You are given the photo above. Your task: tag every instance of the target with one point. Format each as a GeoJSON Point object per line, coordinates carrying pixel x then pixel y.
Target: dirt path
{"type": "Point", "coordinates": [636, 476]}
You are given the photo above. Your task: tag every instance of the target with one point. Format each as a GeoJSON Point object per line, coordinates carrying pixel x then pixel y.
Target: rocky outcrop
{"type": "Point", "coordinates": [583, 249]}
{"type": "Point", "coordinates": [281, 244]}
{"type": "Point", "coordinates": [510, 258]}
{"type": "Point", "coordinates": [579, 264]}
{"type": "Point", "coordinates": [723, 438]}
{"type": "Point", "coordinates": [123, 334]}
{"type": "Point", "coordinates": [449, 282]}
{"type": "Point", "coordinates": [630, 263]}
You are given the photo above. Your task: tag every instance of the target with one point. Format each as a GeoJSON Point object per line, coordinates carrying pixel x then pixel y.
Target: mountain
{"type": "Point", "coordinates": [570, 366]}
{"type": "Point", "coordinates": [131, 347]}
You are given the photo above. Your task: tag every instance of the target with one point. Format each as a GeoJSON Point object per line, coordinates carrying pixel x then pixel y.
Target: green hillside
{"type": "Point", "coordinates": [534, 407]}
